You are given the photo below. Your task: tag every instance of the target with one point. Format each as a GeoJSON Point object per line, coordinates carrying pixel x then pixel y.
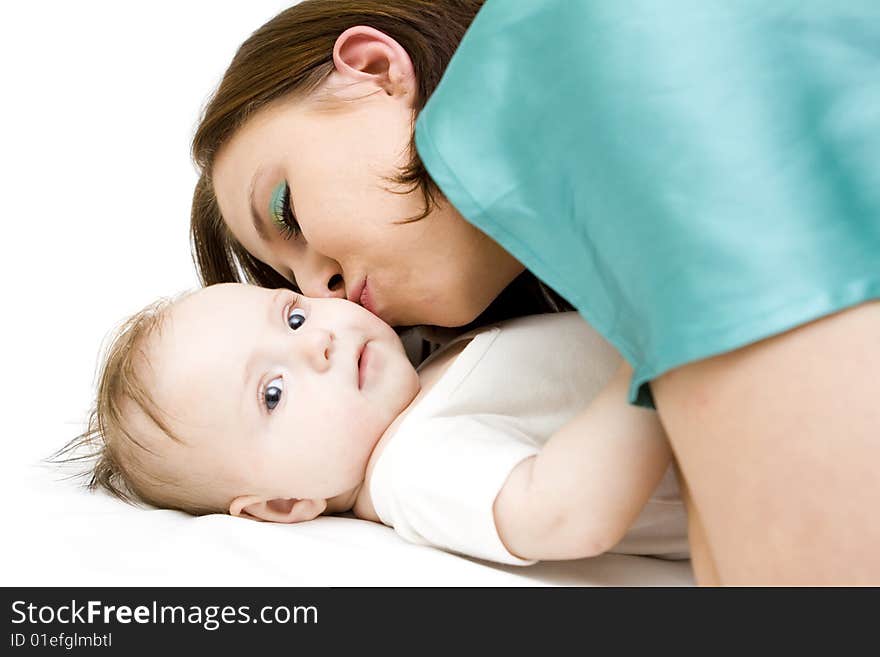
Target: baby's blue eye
{"type": "Point", "coordinates": [296, 318]}
{"type": "Point", "coordinates": [272, 393]}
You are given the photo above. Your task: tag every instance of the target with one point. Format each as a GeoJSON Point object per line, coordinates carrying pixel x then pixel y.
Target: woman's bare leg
{"type": "Point", "coordinates": [702, 561]}
{"type": "Point", "coordinates": [780, 445]}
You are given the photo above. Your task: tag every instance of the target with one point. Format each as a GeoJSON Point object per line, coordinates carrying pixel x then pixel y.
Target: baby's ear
{"type": "Point", "coordinates": [288, 509]}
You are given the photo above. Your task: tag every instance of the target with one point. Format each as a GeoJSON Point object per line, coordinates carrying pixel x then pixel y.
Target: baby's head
{"type": "Point", "coordinates": [241, 399]}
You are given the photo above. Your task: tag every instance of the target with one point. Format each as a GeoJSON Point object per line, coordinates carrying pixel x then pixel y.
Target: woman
{"type": "Point", "coordinates": [702, 185]}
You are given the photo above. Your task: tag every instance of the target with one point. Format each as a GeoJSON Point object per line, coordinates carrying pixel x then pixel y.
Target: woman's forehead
{"type": "Point", "coordinates": [260, 132]}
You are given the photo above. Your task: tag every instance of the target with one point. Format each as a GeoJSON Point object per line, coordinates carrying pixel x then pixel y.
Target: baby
{"type": "Point", "coordinates": [269, 405]}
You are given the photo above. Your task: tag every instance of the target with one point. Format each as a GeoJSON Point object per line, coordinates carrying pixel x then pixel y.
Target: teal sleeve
{"type": "Point", "coordinates": [692, 176]}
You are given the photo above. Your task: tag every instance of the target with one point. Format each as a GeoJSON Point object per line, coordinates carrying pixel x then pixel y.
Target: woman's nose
{"type": "Point", "coordinates": [315, 347]}
{"type": "Point", "coordinates": [320, 277]}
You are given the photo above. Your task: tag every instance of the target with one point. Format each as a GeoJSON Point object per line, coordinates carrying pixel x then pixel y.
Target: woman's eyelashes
{"type": "Point", "coordinates": [281, 212]}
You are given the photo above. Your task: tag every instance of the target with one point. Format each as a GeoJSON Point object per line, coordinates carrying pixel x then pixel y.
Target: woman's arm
{"type": "Point", "coordinates": [580, 494]}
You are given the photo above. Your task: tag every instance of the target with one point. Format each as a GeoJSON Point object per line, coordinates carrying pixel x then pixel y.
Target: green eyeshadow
{"type": "Point", "coordinates": [276, 204]}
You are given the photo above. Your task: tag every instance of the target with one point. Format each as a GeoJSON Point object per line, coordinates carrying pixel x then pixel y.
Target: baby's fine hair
{"type": "Point", "coordinates": [118, 458]}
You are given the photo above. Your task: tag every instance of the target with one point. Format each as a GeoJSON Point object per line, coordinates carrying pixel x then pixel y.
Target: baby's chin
{"type": "Point", "coordinates": [404, 394]}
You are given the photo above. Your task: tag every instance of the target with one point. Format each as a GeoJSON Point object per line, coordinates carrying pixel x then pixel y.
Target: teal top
{"type": "Point", "coordinates": [692, 176]}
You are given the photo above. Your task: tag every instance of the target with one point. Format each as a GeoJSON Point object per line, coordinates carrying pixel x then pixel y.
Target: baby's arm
{"type": "Point", "coordinates": [580, 494]}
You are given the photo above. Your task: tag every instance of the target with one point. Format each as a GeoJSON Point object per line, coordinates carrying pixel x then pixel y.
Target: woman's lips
{"type": "Point", "coordinates": [362, 294]}
{"type": "Point", "coordinates": [357, 291]}
{"type": "Point", "coordinates": [366, 299]}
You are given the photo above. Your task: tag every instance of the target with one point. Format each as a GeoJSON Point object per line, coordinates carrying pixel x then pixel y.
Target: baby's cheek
{"type": "Point", "coordinates": [356, 422]}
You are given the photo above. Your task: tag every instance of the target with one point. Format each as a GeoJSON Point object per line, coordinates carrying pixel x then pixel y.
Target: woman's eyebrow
{"type": "Point", "coordinates": [255, 215]}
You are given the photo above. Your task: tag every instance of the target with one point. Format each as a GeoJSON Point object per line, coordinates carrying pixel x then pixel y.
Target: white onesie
{"type": "Point", "coordinates": [502, 398]}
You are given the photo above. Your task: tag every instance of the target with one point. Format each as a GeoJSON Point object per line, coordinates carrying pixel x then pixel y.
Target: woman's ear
{"type": "Point", "coordinates": [276, 510]}
{"type": "Point", "coordinates": [364, 53]}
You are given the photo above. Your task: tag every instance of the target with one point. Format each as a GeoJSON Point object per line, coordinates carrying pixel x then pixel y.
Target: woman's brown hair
{"type": "Point", "coordinates": [293, 54]}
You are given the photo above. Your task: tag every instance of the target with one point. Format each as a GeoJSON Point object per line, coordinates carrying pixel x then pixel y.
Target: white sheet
{"type": "Point", "coordinates": [61, 535]}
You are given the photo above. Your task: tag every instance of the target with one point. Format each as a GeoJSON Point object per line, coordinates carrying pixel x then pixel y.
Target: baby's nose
{"type": "Point", "coordinates": [318, 347]}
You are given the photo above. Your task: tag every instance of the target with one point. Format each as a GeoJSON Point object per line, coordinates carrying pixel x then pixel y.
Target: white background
{"type": "Point", "coordinates": [99, 103]}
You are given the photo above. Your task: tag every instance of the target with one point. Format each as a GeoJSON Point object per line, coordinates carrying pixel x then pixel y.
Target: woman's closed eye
{"type": "Point", "coordinates": [281, 212]}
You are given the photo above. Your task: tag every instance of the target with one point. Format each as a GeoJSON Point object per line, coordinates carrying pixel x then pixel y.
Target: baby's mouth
{"type": "Point", "coordinates": [361, 364]}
